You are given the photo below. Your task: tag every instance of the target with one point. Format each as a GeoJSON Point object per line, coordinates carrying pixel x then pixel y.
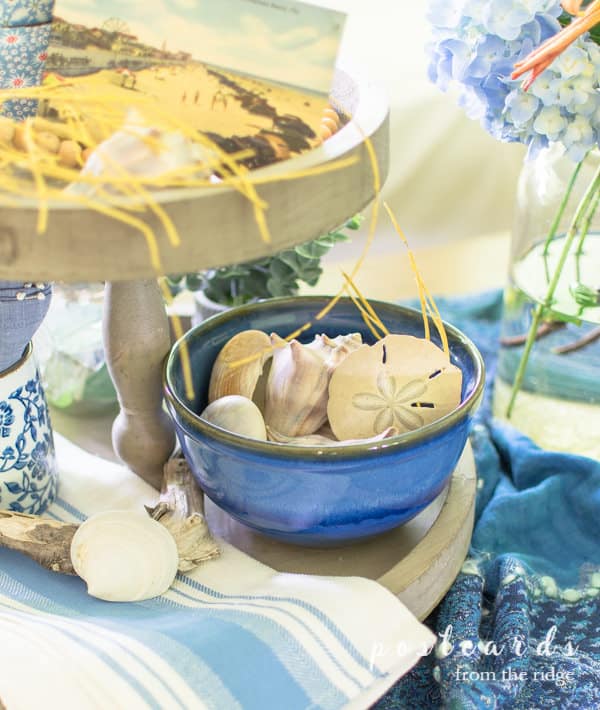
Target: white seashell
{"type": "Point", "coordinates": [238, 415]}
{"type": "Point", "coordinates": [138, 149]}
{"type": "Point", "coordinates": [320, 440]}
{"type": "Point", "coordinates": [334, 350]}
{"type": "Point", "coordinates": [296, 395]}
{"type": "Point", "coordinates": [124, 556]}
{"type": "Point", "coordinates": [251, 349]}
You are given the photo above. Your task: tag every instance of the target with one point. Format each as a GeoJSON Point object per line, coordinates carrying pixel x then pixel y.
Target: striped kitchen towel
{"type": "Point", "coordinates": [232, 634]}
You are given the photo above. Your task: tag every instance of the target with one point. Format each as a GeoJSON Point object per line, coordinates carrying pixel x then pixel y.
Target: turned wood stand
{"type": "Point", "coordinates": [217, 227]}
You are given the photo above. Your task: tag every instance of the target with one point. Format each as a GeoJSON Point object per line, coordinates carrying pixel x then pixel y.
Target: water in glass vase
{"type": "Point", "coordinates": [558, 405]}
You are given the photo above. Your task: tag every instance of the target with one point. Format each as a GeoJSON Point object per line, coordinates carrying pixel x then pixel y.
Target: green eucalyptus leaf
{"type": "Point", "coordinates": [312, 250]}
{"type": "Point", "coordinates": [277, 275]}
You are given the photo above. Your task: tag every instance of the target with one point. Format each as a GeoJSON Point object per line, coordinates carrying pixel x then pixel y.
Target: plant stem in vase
{"type": "Point", "coordinates": [550, 388]}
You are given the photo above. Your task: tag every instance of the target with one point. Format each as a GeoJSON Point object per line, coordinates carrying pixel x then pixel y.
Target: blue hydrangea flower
{"type": "Point", "coordinates": [474, 48]}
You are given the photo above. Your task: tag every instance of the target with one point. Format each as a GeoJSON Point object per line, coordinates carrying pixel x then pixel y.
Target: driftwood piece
{"type": "Point", "coordinates": [180, 510]}
{"type": "Point", "coordinates": [46, 541]}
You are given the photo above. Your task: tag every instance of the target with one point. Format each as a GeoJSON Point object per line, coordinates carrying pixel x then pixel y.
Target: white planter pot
{"type": "Point", "coordinates": [28, 474]}
{"type": "Point", "coordinates": [205, 308]}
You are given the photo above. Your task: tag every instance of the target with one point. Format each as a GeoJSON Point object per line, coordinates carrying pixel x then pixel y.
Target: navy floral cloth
{"type": "Point", "coordinates": [520, 627]}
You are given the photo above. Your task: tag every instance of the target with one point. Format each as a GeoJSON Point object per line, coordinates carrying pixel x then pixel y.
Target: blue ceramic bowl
{"type": "Point", "coordinates": [309, 495]}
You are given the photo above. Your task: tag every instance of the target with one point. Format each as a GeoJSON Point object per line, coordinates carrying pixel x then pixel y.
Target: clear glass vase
{"type": "Point", "coordinates": [554, 292]}
{"type": "Point", "coordinates": [71, 352]}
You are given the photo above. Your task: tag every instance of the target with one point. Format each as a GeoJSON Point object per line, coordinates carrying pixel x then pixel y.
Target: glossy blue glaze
{"type": "Point", "coordinates": [309, 495]}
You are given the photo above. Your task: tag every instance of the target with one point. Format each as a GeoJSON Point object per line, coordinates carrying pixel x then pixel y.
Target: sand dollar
{"type": "Point", "coordinates": [401, 381]}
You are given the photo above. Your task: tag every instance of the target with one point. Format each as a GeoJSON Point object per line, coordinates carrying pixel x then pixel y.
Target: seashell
{"type": "Point", "coordinates": [297, 386]}
{"type": "Point", "coordinates": [238, 415]}
{"type": "Point", "coordinates": [227, 378]}
{"type": "Point", "coordinates": [320, 440]}
{"type": "Point", "coordinates": [124, 556]}
{"type": "Point", "coordinates": [138, 149]}
{"type": "Point", "coordinates": [400, 381]}
{"type": "Point", "coordinates": [296, 395]}
{"type": "Point", "coordinates": [70, 154]}
{"type": "Point", "coordinates": [334, 350]}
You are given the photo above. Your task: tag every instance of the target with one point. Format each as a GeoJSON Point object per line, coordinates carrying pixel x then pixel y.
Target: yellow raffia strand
{"type": "Point", "coordinates": [368, 307]}
{"type": "Point", "coordinates": [423, 290]}
{"type": "Point", "coordinates": [109, 116]}
{"type": "Point", "coordinates": [138, 190]}
{"type": "Point", "coordinates": [186, 365]}
{"type": "Point", "coordinates": [372, 225]}
{"type": "Point", "coordinates": [121, 216]}
{"type": "Point", "coordinates": [33, 151]}
{"type": "Point", "coordinates": [368, 320]}
{"type": "Point", "coordinates": [413, 265]}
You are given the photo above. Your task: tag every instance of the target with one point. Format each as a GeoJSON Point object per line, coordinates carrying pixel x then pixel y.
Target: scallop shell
{"type": "Point", "coordinates": [251, 349]}
{"type": "Point", "coordinates": [400, 381]}
{"type": "Point", "coordinates": [238, 415]}
{"type": "Point", "coordinates": [124, 556]}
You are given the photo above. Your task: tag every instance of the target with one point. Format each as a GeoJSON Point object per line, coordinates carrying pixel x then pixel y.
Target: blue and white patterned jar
{"type": "Point", "coordinates": [28, 473]}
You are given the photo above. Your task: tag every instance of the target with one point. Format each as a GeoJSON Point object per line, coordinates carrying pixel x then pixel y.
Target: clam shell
{"type": "Point", "coordinates": [236, 414]}
{"type": "Point", "coordinates": [250, 347]}
{"type": "Point", "coordinates": [124, 556]}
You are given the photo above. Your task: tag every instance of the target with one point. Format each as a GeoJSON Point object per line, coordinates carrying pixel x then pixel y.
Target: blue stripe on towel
{"type": "Point", "coordinates": [131, 680]}
{"type": "Point", "coordinates": [305, 606]}
{"type": "Point", "coordinates": [228, 642]}
{"type": "Point", "coordinates": [314, 611]}
{"type": "Point", "coordinates": [251, 602]}
{"type": "Point", "coordinates": [71, 509]}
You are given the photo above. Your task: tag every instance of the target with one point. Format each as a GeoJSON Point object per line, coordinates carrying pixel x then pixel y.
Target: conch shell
{"type": "Point", "coordinates": [124, 556]}
{"type": "Point", "coordinates": [334, 350]}
{"type": "Point", "coordinates": [236, 414]}
{"type": "Point", "coordinates": [298, 383]}
{"type": "Point", "coordinates": [320, 440]}
{"type": "Point", "coordinates": [239, 365]}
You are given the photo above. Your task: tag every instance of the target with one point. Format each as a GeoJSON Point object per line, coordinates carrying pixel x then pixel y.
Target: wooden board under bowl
{"type": "Point", "coordinates": [417, 562]}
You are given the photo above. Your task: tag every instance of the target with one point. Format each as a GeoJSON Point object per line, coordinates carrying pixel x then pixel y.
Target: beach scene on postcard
{"type": "Point", "coordinates": [237, 70]}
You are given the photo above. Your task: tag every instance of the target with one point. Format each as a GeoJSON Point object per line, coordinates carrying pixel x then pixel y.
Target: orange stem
{"type": "Point", "coordinates": [542, 57]}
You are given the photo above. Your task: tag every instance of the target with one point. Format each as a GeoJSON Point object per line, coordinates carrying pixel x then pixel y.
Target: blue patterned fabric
{"type": "Point", "coordinates": [23, 54]}
{"type": "Point", "coordinates": [520, 628]}
{"type": "Point", "coordinates": [16, 13]}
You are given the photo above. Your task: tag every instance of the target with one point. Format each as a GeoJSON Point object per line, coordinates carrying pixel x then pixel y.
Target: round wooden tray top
{"type": "Point", "coordinates": [417, 562]}
{"type": "Point", "coordinates": [216, 225]}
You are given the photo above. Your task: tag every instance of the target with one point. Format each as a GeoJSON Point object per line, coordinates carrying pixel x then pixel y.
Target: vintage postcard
{"type": "Point", "coordinates": [248, 73]}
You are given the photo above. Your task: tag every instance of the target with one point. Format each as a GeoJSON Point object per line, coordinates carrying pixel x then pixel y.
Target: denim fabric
{"type": "Point", "coordinates": [20, 319]}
